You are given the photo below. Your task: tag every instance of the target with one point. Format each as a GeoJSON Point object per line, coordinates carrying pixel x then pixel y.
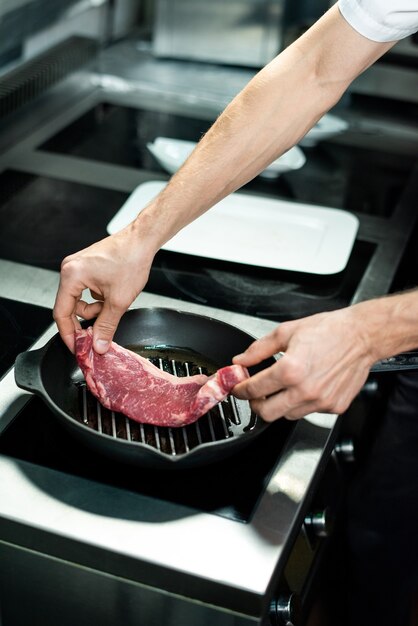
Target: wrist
{"type": "Point", "coordinates": [147, 233]}
{"type": "Point", "coordinates": [388, 325]}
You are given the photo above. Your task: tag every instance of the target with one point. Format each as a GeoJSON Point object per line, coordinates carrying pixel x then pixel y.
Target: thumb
{"type": "Point", "coordinates": [105, 326]}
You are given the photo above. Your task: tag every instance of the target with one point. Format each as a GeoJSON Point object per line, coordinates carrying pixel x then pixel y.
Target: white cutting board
{"type": "Point", "coordinates": [258, 231]}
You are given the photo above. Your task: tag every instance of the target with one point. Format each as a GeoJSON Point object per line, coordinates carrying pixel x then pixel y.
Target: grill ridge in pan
{"type": "Point", "coordinates": [229, 418]}
{"type": "Point", "coordinates": [195, 342]}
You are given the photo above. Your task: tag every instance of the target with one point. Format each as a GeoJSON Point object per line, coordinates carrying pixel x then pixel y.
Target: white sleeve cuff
{"type": "Point", "coordinates": [378, 20]}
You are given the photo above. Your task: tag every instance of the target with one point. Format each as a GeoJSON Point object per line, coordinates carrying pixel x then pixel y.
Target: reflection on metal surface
{"type": "Point", "coordinates": [294, 469]}
{"type": "Point", "coordinates": [239, 32]}
{"type": "Point", "coordinates": [113, 83]}
{"type": "Point", "coordinates": [320, 523]}
{"type": "Point", "coordinates": [322, 420]}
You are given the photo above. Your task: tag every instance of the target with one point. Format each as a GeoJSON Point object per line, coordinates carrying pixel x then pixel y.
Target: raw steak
{"type": "Point", "coordinates": [128, 383]}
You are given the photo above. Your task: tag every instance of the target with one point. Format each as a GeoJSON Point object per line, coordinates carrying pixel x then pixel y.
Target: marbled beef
{"type": "Point", "coordinates": [127, 383]}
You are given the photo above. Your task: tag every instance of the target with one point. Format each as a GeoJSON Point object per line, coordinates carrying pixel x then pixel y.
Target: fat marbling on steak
{"type": "Point", "coordinates": [127, 383]}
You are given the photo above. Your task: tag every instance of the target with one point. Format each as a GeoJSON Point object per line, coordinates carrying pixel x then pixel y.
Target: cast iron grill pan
{"type": "Point", "coordinates": [178, 342]}
{"type": "Point", "coordinates": [230, 418]}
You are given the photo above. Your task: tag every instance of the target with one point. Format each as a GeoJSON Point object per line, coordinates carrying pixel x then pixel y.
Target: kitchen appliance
{"type": "Point", "coordinates": [95, 154]}
{"type": "Point", "coordinates": [177, 342]}
{"type": "Point", "coordinates": [181, 344]}
{"type": "Point", "coordinates": [31, 27]}
{"type": "Point", "coordinates": [72, 493]}
{"type": "Point", "coordinates": [239, 32]}
{"type": "Point", "coordinates": [245, 541]}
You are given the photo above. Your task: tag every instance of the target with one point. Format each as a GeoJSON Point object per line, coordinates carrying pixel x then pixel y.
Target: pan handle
{"type": "Point", "coordinates": [28, 370]}
{"type": "Point", "coordinates": [398, 363]}
{"type": "Point", "coordinates": [405, 361]}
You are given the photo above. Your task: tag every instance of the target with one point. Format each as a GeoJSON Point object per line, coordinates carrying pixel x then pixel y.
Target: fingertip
{"type": "Point", "coordinates": [105, 327]}
{"type": "Point", "coordinates": [88, 310]}
{"type": "Point", "coordinates": [101, 346]}
{"type": "Point", "coordinates": [244, 358]}
{"type": "Point", "coordinates": [66, 330]}
{"type": "Point", "coordinates": [239, 391]}
{"type": "Point", "coordinates": [69, 341]}
{"type": "Point", "coordinates": [102, 335]}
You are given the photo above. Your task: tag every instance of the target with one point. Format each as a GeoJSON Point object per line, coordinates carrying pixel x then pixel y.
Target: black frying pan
{"type": "Point", "coordinates": [166, 336]}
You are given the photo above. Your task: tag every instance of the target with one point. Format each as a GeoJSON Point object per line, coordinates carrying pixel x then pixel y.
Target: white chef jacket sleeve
{"type": "Point", "coordinates": [381, 20]}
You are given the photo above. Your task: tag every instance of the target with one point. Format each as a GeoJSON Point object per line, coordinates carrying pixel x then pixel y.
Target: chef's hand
{"type": "Point", "coordinates": [115, 270]}
{"type": "Point", "coordinates": [326, 362]}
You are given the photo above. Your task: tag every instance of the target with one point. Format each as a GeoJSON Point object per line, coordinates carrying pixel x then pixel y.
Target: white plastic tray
{"type": "Point", "coordinates": [258, 231]}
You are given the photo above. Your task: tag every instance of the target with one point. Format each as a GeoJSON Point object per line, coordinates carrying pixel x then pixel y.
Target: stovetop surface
{"type": "Point", "coordinates": [20, 325]}
{"type": "Point", "coordinates": [229, 488]}
{"type": "Point", "coordinates": [270, 294]}
{"type": "Point", "coordinates": [340, 176]}
{"type": "Point", "coordinates": [43, 219]}
{"type": "Point", "coordinates": [70, 215]}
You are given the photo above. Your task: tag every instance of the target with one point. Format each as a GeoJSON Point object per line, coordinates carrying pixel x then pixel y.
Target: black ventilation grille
{"type": "Point", "coordinates": [25, 83]}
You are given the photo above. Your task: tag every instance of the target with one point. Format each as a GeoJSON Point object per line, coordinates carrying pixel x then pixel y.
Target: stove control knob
{"type": "Point", "coordinates": [285, 610]}
{"type": "Point", "coordinates": [320, 523]}
{"type": "Point", "coordinates": [345, 450]}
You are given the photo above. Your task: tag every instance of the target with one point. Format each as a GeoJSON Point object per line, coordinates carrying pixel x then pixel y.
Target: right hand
{"type": "Point", "coordinates": [326, 362]}
{"type": "Point", "coordinates": [115, 270]}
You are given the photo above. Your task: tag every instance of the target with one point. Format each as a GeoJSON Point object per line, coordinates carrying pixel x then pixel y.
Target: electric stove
{"type": "Point", "coordinates": [234, 544]}
{"type": "Point", "coordinates": [357, 179]}
{"type": "Point", "coordinates": [36, 436]}
{"type": "Point", "coordinates": [70, 214]}
{"type": "Point", "coordinates": [44, 219]}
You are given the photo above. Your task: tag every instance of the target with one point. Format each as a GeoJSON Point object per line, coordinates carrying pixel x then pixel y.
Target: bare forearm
{"type": "Point", "coordinates": [390, 324]}
{"type": "Point", "coordinates": [276, 109]}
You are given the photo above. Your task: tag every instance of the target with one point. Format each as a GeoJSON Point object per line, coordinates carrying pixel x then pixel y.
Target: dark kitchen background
{"type": "Point", "coordinates": [259, 538]}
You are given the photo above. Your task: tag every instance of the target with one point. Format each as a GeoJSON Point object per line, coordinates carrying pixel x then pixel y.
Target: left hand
{"type": "Point", "coordinates": [115, 270]}
{"type": "Point", "coordinates": [327, 360]}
